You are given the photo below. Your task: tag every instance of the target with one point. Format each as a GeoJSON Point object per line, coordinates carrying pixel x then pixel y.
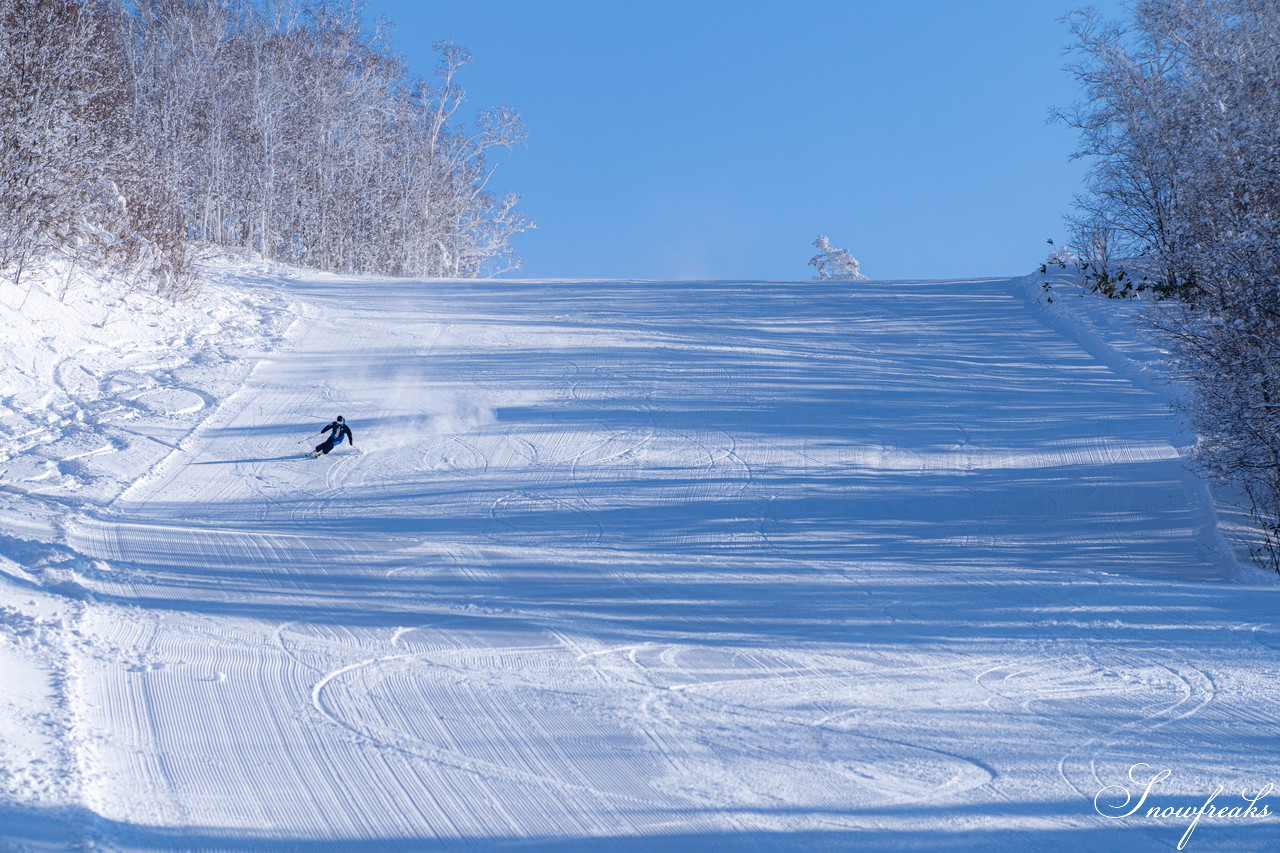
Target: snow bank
{"type": "Point", "coordinates": [96, 386]}
{"type": "Point", "coordinates": [1108, 329]}
{"type": "Point", "coordinates": [1105, 328]}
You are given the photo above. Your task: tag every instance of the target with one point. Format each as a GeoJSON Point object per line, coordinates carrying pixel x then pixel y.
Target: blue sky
{"type": "Point", "coordinates": [716, 139]}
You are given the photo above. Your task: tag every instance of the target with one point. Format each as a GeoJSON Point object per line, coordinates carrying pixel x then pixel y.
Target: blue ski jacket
{"type": "Point", "coordinates": [340, 431]}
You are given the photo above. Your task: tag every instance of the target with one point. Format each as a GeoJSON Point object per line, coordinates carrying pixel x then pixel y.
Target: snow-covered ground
{"type": "Point", "coordinates": [614, 565]}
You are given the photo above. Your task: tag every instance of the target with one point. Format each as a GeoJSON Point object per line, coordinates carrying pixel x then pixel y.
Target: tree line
{"type": "Point", "coordinates": [1181, 123]}
{"type": "Point", "coordinates": [137, 130]}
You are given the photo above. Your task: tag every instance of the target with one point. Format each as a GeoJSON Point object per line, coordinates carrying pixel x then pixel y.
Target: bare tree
{"type": "Point", "coordinates": [1180, 121]}
{"type": "Point", "coordinates": [71, 184]}
{"type": "Point", "coordinates": [136, 129]}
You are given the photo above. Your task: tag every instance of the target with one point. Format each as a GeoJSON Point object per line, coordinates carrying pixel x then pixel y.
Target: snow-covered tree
{"type": "Point", "coordinates": [834, 264]}
{"type": "Point", "coordinates": [1180, 122]}
{"type": "Point", "coordinates": [134, 129]}
{"type": "Point", "coordinates": [72, 183]}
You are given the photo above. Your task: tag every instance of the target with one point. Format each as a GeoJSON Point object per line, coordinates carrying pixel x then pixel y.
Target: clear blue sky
{"type": "Point", "coordinates": [716, 139]}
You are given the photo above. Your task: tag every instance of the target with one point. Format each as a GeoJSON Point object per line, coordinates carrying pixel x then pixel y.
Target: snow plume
{"type": "Point", "coordinates": [441, 417]}
{"type": "Point", "coordinates": [391, 410]}
{"type": "Point", "coordinates": [463, 415]}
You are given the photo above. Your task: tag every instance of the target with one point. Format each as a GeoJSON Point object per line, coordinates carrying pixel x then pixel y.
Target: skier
{"type": "Point", "coordinates": [338, 430]}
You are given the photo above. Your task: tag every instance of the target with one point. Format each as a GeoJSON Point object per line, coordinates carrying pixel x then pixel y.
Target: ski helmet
{"type": "Point", "coordinates": [340, 420]}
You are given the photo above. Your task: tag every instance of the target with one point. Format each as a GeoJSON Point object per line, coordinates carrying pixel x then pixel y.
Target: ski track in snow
{"type": "Point", "coordinates": [628, 566]}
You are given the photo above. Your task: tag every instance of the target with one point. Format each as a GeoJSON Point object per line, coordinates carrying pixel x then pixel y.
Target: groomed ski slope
{"type": "Point", "coordinates": [666, 566]}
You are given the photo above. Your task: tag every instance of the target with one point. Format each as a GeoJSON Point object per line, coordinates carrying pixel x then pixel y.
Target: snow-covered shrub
{"type": "Point", "coordinates": [834, 264]}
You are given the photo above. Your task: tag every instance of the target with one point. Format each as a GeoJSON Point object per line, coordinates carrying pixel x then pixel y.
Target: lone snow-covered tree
{"type": "Point", "coordinates": [834, 264]}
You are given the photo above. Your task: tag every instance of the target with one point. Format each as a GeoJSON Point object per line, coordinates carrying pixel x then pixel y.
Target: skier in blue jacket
{"type": "Point", "coordinates": [337, 430]}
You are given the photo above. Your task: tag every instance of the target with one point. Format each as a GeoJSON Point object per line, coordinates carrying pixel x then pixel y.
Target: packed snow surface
{"type": "Point", "coordinates": [615, 565]}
